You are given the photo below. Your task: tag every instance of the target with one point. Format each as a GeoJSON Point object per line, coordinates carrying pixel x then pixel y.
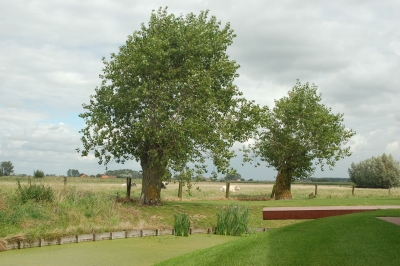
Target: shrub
{"type": "Point", "coordinates": [233, 221]}
{"type": "Point", "coordinates": [181, 225]}
{"type": "Point", "coordinates": [35, 192]}
{"type": "Point", "coordinates": [38, 173]}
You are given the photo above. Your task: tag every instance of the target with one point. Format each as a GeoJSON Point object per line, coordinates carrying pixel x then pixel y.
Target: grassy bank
{"type": "Point", "coordinates": [88, 205]}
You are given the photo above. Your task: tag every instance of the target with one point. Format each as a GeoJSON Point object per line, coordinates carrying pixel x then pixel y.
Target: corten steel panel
{"type": "Point", "coordinates": [305, 214]}
{"type": "Point", "coordinates": [292, 213]}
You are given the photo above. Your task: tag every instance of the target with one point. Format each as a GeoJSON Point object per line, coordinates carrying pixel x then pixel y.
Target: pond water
{"type": "Point", "coordinates": [130, 251]}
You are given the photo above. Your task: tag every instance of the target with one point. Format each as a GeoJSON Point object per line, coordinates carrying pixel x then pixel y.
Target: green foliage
{"type": "Point", "coordinates": [181, 224]}
{"type": "Point", "coordinates": [38, 173]}
{"type": "Point", "coordinates": [233, 176]}
{"type": "Point", "coordinates": [299, 132]}
{"type": "Point", "coordinates": [35, 192]}
{"type": "Point", "coordinates": [73, 172]}
{"type": "Point", "coordinates": [6, 168]}
{"type": "Point", "coordinates": [233, 221]}
{"type": "Point", "coordinates": [377, 172]}
{"type": "Point", "coordinates": [168, 99]}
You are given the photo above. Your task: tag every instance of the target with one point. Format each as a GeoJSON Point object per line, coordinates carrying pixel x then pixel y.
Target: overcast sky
{"type": "Point", "coordinates": [51, 50]}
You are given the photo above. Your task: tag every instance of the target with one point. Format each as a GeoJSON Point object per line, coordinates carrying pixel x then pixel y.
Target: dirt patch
{"type": "Point", "coordinates": [394, 220]}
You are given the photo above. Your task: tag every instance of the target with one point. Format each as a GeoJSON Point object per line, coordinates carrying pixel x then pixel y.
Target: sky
{"type": "Point", "coordinates": [51, 51]}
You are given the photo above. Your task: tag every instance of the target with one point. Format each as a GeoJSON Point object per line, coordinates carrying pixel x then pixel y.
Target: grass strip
{"type": "Point", "coordinates": [356, 239]}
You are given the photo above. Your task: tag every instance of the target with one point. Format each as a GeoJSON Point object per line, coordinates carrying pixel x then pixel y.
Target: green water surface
{"type": "Point", "coordinates": [131, 251]}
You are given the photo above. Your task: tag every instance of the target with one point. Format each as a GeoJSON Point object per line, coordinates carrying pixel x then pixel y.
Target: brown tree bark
{"type": "Point", "coordinates": [153, 170]}
{"type": "Point", "coordinates": [282, 187]}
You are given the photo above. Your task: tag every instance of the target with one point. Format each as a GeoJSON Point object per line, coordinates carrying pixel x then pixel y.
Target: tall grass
{"type": "Point", "coordinates": [181, 224]}
{"type": "Point", "coordinates": [233, 221]}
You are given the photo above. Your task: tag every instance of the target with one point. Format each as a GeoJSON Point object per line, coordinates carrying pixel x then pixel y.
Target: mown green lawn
{"type": "Point", "coordinates": [356, 239]}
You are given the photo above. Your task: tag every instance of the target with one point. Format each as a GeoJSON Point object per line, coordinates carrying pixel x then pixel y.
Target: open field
{"type": "Point", "coordinates": [205, 191]}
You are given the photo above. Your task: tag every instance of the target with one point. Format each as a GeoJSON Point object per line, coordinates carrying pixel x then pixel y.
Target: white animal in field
{"type": "Point", "coordinates": [231, 188]}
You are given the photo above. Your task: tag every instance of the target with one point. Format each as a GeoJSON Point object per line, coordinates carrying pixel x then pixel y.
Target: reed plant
{"type": "Point", "coordinates": [233, 221]}
{"type": "Point", "coordinates": [181, 224]}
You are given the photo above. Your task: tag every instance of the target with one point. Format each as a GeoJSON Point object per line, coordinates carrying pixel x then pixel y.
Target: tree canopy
{"type": "Point", "coordinates": [6, 168]}
{"type": "Point", "coordinates": [299, 133]}
{"type": "Point", "coordinates": [38, 173]}
{"type": "Point", "coordinates": [168, 98]}
{"type": "Point", "coordinates": [233, 176]}
{"type": "Point", "coordinates": [73, 172]}
{"type": "Point", "coordinates": [377, 172]}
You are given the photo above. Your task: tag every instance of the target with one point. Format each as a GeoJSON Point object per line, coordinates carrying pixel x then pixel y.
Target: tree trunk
{"type": "Point", "coordinates": [153, 170]}
{"type": "Point", "coordinates": [128, 188]}
{"type": "Point", "coordinates": [180, 190]}
{"type": "Point", "coordinates": [282, 187]}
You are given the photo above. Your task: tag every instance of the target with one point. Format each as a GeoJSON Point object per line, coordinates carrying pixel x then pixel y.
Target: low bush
{"type": "Point", "coordinates": [35, 192]}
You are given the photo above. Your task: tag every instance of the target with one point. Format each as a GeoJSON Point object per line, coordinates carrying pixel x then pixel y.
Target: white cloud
{"type": "Point", "coordinates": [393, 148]}
{"type": "Point", "coordinates": [50, 59]}
{"type": "Point", "coordinates": [359, 143]}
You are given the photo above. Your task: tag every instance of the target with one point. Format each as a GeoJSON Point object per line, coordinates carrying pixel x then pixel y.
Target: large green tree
{"type": "Point", "coordinates": [168, 99]}
{"type": "Point", "coordinates": [299, 133]}
{"type": "Point", "coordinates": [377, 172]}
{"type": "Point", "coordinates": [6, 168]}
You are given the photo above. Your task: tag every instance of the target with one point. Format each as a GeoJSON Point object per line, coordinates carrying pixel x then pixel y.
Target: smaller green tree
{"type": "Point", "coordinates": [73, 172]}
{"type": "Point", "coordinates": [38, 173]}
{"type": "Point", "coordinates": [377, 172]}
{"type": "Point", "coordinates": [299, 133]}
{"type": "Point", "coordinates": [6, 168]}
{"type": "Point", "coordinates": [233, 176]}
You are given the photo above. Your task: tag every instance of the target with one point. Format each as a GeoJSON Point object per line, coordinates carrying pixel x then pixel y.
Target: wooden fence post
{"type": "Point", "coordinates": [352, 191]}
{"type": "Point", "coordinates": [65, 181]}
{"type": "Point", "coordinates": [180, 190]}
{"type": "Point", "coordinates": [228, 184]}
{"type": "Point", "coordinates": [316, 189]}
